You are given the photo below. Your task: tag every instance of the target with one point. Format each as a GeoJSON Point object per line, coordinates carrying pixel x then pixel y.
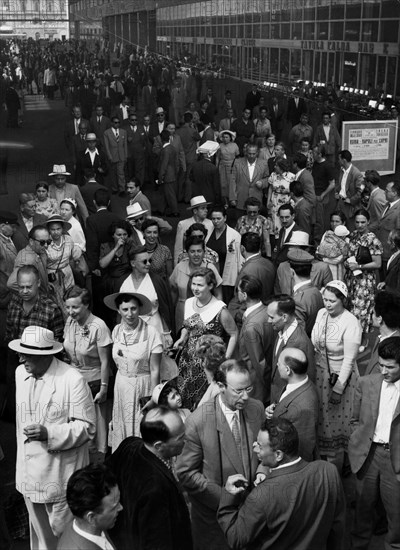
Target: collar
{"type": "Point", "coordinates": [252, 163]}
{"type": "Point", "coordinates": [101, 208]}
{"type": "Point", "coordinates": [252, 308]}
{"type": "Point", "coordinates": [394, 202]}
{"type": "Point", "coordinates": [97, 539]}
{"type": "Point", "coordinates": [299, 285]}
{"type": "Point", "coordinates": [252, 256]}
{"type": "Point", "coordinates": [287, 333]}
{"type": "Point", "coordinates": [45, 377]}
{"type": "Point", "coordinates": [226, 410]}
{"type": "Point", "coordinates": [373, 191]}
{"type": "Point", "coordinates": [166, 144]}
{"type": "Point", "coordinates": [288, 229]}
{"type": "Point", "coordinates": [292, 387]}
{"type": "Point", "coordinates": [95, 151]}
{"type": "Point", "coordinates": [346, 171]}
{"type": "Point", "coordinates": [6, 239]}
{"type": "Point", "coordinates": [292, 463]}
{"type": "Point", "coordinates": [298, 174]}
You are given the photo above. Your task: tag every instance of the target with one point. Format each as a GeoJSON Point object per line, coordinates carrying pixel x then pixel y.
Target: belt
{"type": "Point", "coordinates": [385, 446]}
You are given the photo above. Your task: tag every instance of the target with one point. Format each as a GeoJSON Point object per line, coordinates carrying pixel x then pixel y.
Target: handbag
{"type": "Point", "coordinates": [363, 255]}
{"type": "Point", "coordinates": [95, 387]}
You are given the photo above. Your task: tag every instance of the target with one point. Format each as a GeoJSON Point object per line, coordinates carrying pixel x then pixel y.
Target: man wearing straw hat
{"type": "Point", "coordinates": [91, 160]}
{"type": "Point", "coordinates": [205, 174]}
{"type": "Point", "coordinates": [61, 190]}
{"type": "Point", "coordinates": [55, 422]}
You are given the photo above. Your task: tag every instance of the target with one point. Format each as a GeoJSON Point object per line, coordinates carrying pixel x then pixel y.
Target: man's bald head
{"type": "Point", "coordinates": [163, 431]}
{"type": "Point", "coordinates": [295, 360]}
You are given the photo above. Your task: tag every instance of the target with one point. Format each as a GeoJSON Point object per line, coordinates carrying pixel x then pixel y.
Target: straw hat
{"type": "Point", "coordinates": [145, 304]}
{"type": "Point", "coordinates": [57, 218]}
{"type": "Point", "coordinates": [134, 211]}
{"type": "Point", "coordinates": [59, 170]}
{"type": "Point", "coordinates": [195, 202]}
{"type": "Point", "coordinates": [36, 341]}
{"type": "Point", "coordinates": [298, 238]}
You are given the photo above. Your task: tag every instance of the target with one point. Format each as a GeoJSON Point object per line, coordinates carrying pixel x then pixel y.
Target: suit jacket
{"type": "Point", "coordinates": [157, 517]}
{"type": "Point", "coordinates": [149, 99]}
{"type": "Point", "coordinates": [294, 113]}
{"type": "Point", "coordinates": [154, 130]}
{"type": "Point", "coordinates": [189, 138]}
{"type": "Point", "coordinates": [71, 191]}
{"type": "Point", "coordinates": [373, 363]}
{"type": "Point", "coordinates": [333, 144]}
{"type": "Point", "coordinates": [20, 237]}
{"type": "Point", "coordinates": [280, 254]}
{"type": "Point", "coordinates": [320, 275]}
{"type": "Point", "coordinates": [209, 457]}
{"type": "Point", "coordinates": [117, 151]}
{"type": "Point", "coordinates": [71, 540]}
{"type": "Point", "coordinates": [88, 191]}
{"type": "Point", "coordinates": [392, 279]}
{"type": "Point", "coordinates": [97, 232]}
{"type": "Point", "coordinates": [363, 423]}
{"type": "Point", "coordinates": [65, 407]}
{"type": "Point", "coordinates": [299, 340]}
{"type": "Point", "coordinates": [234, 260]}
{"type": "Point", "coordinates": [256, 341]}
{"type": "Point", "coordinates": [307, 182]}
{"type": "Point", "coordinates": [137, 140]}
{"type": "Point", "coordinates": [277, 119]}
{"type": "Point", "coordinates": [212, 108]}
{"type": "Point", "coordinates": [353, 182]}
{"type": "Point", "coordinates": [241, 187]}
{"type": "Point", "coordinates": [303, 214]}
{"type": "Point", "coordinates": [168, 165]}
{"type": "Point", "coordinates": [99, 129]}
{"type": "Point", "coordinates": [205, 176]}
{"type": "Point", "coordinates": [376, 205]}
{"type": "Point", "coordinates": [389, 220]}
{"type": "Point", "coordinates": [301, 407]}
{"type": "Point", "coordinates": [69, 133]}
{"type": "Point", "coordinates": [268, 519]}
{"type": "Point", "coordinates": [308, 302]}
{"type": "Point", "coordinates": [84, 166]}
{"type": "Point", "coordinates": [181, 229]}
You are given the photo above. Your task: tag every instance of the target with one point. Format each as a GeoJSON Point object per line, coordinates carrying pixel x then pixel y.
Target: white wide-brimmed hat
{"type": "Point", "coordinates": [36, 341]}
{"type": "Point", "coordinates": [59, 170]}
{"type": "Point", "coordinates": [159, 111]}
{"type": "Point", "coordinates": [195, 202]}
{"type": "Point", "coordinates": [145, 306]}
{"type": "Point", "coordinates": [209, 148]}
{"type": "Point", "coordinates": [232, 134]}
{"type": "Point", "coordinates": [298, 238]}
{"type": "Point", "coordinates": [134, 211]}
{"type": "Point", "coordinates": [91, 137]}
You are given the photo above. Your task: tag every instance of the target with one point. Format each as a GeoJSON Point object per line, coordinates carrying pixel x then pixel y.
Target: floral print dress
{"type": "Point", "coordinates": [280, 194]}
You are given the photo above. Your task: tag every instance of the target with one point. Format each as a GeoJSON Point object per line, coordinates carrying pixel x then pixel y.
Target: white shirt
{"type": "Point", "coordinates": [92, 154]}
{"type": "Point", "coordinates": [251, 308]}
{"type": "Point", "coordinates": [28, 223]}
{"type": "Point", "coordinates": [387, 405]}
{"type": "Point", "coordinates": [284, 336]}
{"type": "Point", "coordinates": [124, 109]}
{"type": "Point", "coordinates": [116, 132]}
{"type": "Point", "coordinates": [77, 122]}
{"type": "Point", "coordinates": [228, 413]}
{"type": "Point", "coordinates": [298, 174]}
{"type": "Point", "coordinates": [393, 203]}
{"type": "Point", "coordinates": [299, 285]}
{"type": "Point", "coordinates": [327, 129]}
{"type": "Point", "coordinates": [251, 169]}
{"type": "Point", "coordinates": [343, 193]}
{"type": "Point", "coordinates": [287, 231]}
{"type": "Point", "coordinates": [287, 464]}
{"type": "Point", "coordinates": [291, 387]}
{"type": "Point", "coordinates": [160, 127]}
{"type": "Point", "coordinates": [99, 540]}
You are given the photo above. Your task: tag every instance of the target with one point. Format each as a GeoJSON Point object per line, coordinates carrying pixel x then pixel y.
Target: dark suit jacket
{"type": "Point", "coordinates": [276, 119]}
{"type": "Point", "coordinates": [280, 255]}
{"type": "Point", "coordinates": [354, 179]}
{"type": "Point", "coordinates": [157, 517]}
{"type": "Point", "coordinates": [308, 302]}
{"type": "Point", "coordinates": [388, 221]}
{"type": "Point", "coordinates": [209, 457]}
{"type": "Point", "coordinates": [84, 166]}
{"type": "Point", "coordinates": [321, 275]}
{"type": "Point", "coordinates": [303, 215]}
{"type": "Point", "coordinates": [392, 279]}
{"type": "Point", "coordinates": [137, 141]}
{"type": "Point", "coordinates": [71, 540]}
{"type": "Point", "coordinates": [363, 422]}
{"type": "Point", "coordinates": [333, 144]}
{"type": "Point", "coordinates": [69, 133]}
{"type": "Point", "coordinates": [20, 237]}
{"type": "Point", "coordinates": [149, 99]}
{"type": "Point", "coordinates": [168, 165]}
{"type": "Point", "coordinates": [97, 232]}
{"type": "Point", "coordinates": [300, 340]}
{"type": "Point", "coordinates": [99, 129]}
{"type": "Point", "coordinates": [256, 340]}
{"type": "Point", "coordinates": [205, 176]}
{"type": "Point", "coordinates": [312, 519]}
{"type": "Point", "coordinates": [154, 131]}
{"type": "Point", "coordinates": [293, 112]}
{"type": "Point", "coordinates": [301, 407]}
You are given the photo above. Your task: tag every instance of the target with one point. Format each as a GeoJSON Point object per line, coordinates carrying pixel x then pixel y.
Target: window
{"type": "Point", "coordinates": [389, 30]}
{"type": "Point", "coordinates": [352, 30]}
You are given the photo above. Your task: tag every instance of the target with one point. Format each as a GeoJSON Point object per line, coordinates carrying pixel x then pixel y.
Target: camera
{"type": "Point", "coordinates": [51, 277]}
{"type": "Point", "coordinates": [333, 377]}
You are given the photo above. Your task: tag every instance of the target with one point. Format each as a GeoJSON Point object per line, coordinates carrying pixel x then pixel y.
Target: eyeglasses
{"type": "Point", "coordinates": [241, 392]}
{"type": "Point", "coordinates": [115, 121]}
{"type": "Point", "coordinates": [133, 119]}
{"type": "Point", "coordinates": [145, 262]}
{"type": "Point", "coordinates": [43, 242]}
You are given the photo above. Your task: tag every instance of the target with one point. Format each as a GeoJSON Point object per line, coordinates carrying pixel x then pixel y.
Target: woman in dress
{"type": "Point", "coordinates": [44, 204]}
{"type": "Point", "coordinates": [60, 253]}
{"type": "Point", "coordinates": [334, 246]}
{"type": "Point", "coordinates": [253, 222]}
{"type": "Point", "coordinates": [226, 242]}
{"type": "Point", "coordinates": [87, 343]}
{"type": "Point", "coordinates": [336, 337]}
{"type": "Point", "coordinates": [267, 149]}
{"type": "Point", "coordinates": [137, 350]}
{"type": "Point", "coordinates": [204, 314]}
{"type": "Point", "coordinates": [362, 265]}
{"type": "Point", "coordinates": [306, 150]}
{"type": "Point", "coordinates": [198, 230]}
{"type": "Point", "coordinates": [180, 278]}
{"type": "Point", "coordinates": [68, 211]}
{"type": "Point", "coordinates": [114, 260]}
{"type": "Point", "coordinates": [160, 255]}
{"type": "Point", "coordinates": [278, 193]}
{"type": "Point", "coordinates": [226, 155]}
{"type": "Point", "coordinates": [211, 349]}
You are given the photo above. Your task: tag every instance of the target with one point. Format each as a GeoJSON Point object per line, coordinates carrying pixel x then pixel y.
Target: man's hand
{"type": "Point", "coordinates": [236, 484]}
{"type": "Point", "coordinates": [335, 398]}
{"type": "Point", "coordinates": [232, 204]}
{"type": "Point", "coordinates": [36, 432]}
{"type": "Point", "coordinates": [260, 477]}
{"type": "Point", "coordinates": [269, 411]}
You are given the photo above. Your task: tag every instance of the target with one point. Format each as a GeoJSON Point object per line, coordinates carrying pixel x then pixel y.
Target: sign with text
{"type": "Point", "coordinates": [373, 144]}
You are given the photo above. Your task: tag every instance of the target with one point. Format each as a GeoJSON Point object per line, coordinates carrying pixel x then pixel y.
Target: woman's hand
{"type": "Point", "coordinates": [335, 398]}
{"type": "Point", "coordinates": [179, 343]}
{"type": "Point", "coordinates": [167, 340]}
{"type": "Point", "coordinates": [120, 243]}
{"type": "Point", "coordinates": [101, 396]}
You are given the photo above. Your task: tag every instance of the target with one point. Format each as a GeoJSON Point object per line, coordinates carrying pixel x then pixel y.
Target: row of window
{"type": "Point", "coordinates": [23, 6]}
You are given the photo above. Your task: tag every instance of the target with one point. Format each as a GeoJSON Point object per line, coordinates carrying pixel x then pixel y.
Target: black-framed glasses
{"type": "Point", "coordinates": [241, 392]}
{"type": "Point", "coordinates": [115, 121]}
{"type": "Point", "coordinates": [43, 242]}
{"type": "Point", "coordinates": [148, 261]}
{"type": "Point", "coordinates": [133, 119]}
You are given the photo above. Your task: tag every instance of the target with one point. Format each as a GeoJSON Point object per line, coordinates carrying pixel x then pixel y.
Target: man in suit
{"type": "Point", "coordinates": [256, 337]}
{"type": "Point", "coordinates": [299, 132]}
{"type": "Point", "coordinates": [178, 102]}
{"type": "Point", "coordinates": [137, 145]}
{"type": "Point", "coordinates": [348, 188]}
{"type": "Point", "coordinates": [249, 179]}
{"type": "Point", "coordinates": [303, 210]}
{"type": "Point", "coordinates": [290, 334]}
{"type": "Point", "coordinates": [72, 127]}
{"type": "Point", "coordinates": [87, 98]}
{"type": "Point", "coordinates": [386, 318]}
{"type": "Point", "coordinates": [149, 97]}
{"type": "Point", "coordinates": [226, 123]}
{"type": "Point", "coordinates": [307, 297]}
{"type": "Point", "coordinates": [298, 401]}
{"type": "Point", "coordinates": [314, 514]}
{"type": "Point", "coordinates": [50, 447]}
{"type": "Point", "coordinates": [199, 207]}
{"type": "Point", "coordinates": [116, 148]}
{"type": "Point", "coordinates": [88, 191]}
{"type": "Point", "coordinates": [374, 447]}
{"type": "Point", "coordinates": [327, 134]}
{"type": "Point", "coordinates": [26, 219]}
{"type": "Point", "coordinates": [377, 198]}
{"type": "Point", "coordinates": [79, 144]}
{"type": "Point", "coordinates": [304, 176]}
{"type": "Point", "coordinates": [212, 105]}
{"type": "Point", "coordinates": [108, 97]}
{"type": "Point", "coordinates": [158, 126]}
{"type": "Point", "coordinates": [70, 96]}
{"type": "Point", "coordinates": [244, 129]}
{"type": "Point", "coordinates": [122, 111]}
{"type": "Point", "coordinates": [320, 274]}
{"type": "Point", "coordinates": [94, 500]}
{"type": "Point", "coordinates": [296, 107]}
{"type": "Point", "coordinates": [189, 138]}
{"type": "Point", "coordinates": [227, 105]}
{"type": "Point", "coordinates": [252, 98]}
{"type": "Point", "coordinates": [390, 219]}
{"type": "Point", "coordinates": [276, 116]}
{"type": "Point", "coordinates": [167, 175]}
{"type": "Point", "coordinates": [155, 513]}
{"type": "Point", "coordinates": [91, 160]}
{"type": "Point", "coordinates": [99, 123]}
{"type": "Point", "coordinates": [219, 438]}
{"type": "Point", "coordinates": [205, 176]}
{"type": "Point", "coordinates": [286, 215]}
{"type": "Point", "coordinates": [61, 190]}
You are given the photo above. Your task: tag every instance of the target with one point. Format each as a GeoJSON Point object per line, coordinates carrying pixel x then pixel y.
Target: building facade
{"type": "Point", "coordinates": [347, 42]}
{"type": "Point", "coordinates": [36, 18]}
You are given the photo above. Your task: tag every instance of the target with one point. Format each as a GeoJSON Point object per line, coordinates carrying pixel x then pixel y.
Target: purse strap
{"type": "Point", "coordinates": [326, 351]}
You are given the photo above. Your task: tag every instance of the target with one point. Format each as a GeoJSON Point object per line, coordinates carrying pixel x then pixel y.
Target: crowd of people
{"type": "Point", "coordinates": [203, 395]}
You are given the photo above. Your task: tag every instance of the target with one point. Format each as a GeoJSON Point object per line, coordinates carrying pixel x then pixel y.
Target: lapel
{"type": "Point", "coordinates": [47, 393]}
{"type": "Point", "coordinates": [349, 178]}
{"type": "Point", "coordinates": [22, 227]}
{"type": "Point", "coordinates": [286, 401]}
{"type": "Point", "coordinates": [227, 443]}
{"type": "Point", "coordinates": [374, 395]}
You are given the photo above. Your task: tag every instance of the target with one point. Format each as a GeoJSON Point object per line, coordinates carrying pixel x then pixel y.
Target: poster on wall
{"type": "Point", "coordinates": [373, 144]}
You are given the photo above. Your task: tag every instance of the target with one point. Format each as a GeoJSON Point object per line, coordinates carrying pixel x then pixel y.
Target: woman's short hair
{"type": "Point", "coordinates": [196, 227]}
{"type": "Point", "coordinates": [78, 292]}
{"type": "Point", "coordinates": [362, 212]}
{"type": "Point", "coordinates": [194, 240]}
{"type": "Point", "coordinates": [340, 215]}
{"type": "Point", "coordinates": [218, 208]}
{"type": "Point", "coordinates": [125, 298]}
{"type": "Point", "coordinates": [43, 184]}
{"type": "Point", "coordinates": [120, 224]}
{"type": "Point", "coordinates": [252, 201]}
{"type": "Point", "coordinates": [135, 251]}
{"type": "Point", "coordinates": [208, 275]}
{"type": "Point", "coordinates": [150, 222]}
{"type": "Point", "coordinates": [211, 349]}
{"type": "Point", "coordinates": [283, 164]}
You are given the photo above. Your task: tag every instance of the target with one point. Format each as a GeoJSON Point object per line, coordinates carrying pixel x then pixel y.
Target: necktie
{"type": "Point", "coordinates": [117, 136]}
{"type": "Point", "coordinates": [236, 433]}
{"type": "Point", "coordinates": [276, 109]}
{"type": "Point", "coordinates": [387, 208]}
{"type": "Point", "coordinates": [99, 120]}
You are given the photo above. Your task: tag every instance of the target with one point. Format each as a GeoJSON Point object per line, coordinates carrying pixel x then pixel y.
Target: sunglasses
{"type": "Point", "coordinates": [145, 262]}
{"type": "Point", "coordinates": [133, 119]}
{"type": "Point", "coordinates": [43, 242]}
{"type": "Point", "coordinates": [115, 121]}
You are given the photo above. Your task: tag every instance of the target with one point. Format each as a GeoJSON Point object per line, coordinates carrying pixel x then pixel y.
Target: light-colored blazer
{"type": "Point", "coordinates": [116, 151]}
{"type": "Point", "coordinates": [388, 221]}
{"type": "Point", "coordinates": [376, 205]}
{"type": "Point", "coordinates": [234, 260]}
{"type": "Point", "coordinates": [241, 187]}
{"type": "Point", "coordinates": [65, 407]}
